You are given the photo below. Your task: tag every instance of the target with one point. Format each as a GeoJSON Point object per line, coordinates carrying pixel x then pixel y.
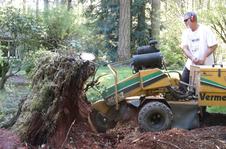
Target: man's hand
{"type": "Point", "coordinates": [201, 61]}
{"type": "Point", "coordinates": [195, 60]}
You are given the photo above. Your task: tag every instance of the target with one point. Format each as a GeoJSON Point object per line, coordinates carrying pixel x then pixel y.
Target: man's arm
{"type": "Point", "coordinates": [209, 51]}
{"type": "Point", "coordinates": [188, 54]}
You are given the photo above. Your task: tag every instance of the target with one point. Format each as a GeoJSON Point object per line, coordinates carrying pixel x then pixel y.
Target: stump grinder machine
{"type": "Point", "coordinates": [153, 93]}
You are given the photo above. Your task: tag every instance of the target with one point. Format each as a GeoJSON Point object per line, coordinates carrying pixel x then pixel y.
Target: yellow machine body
{"type": "Point", "coordinates": [151, 87]}
{"type": "Point", "coordinates": [146, 83]}
{"type": "Point", "coordinates": [210, 84]}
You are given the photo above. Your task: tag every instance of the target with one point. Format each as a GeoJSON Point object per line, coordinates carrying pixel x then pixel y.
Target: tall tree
{"type": "Point", "coordinates": [24, 6]}
{"type": "Point", "coordinates": [46, 4]}
{"type": "Point", "coordinates": [62, 2]}
{"type": "Point", "coordinates": [155, 18]}
{"type": "Point", "coordinates": [141, 33]}
{"type": "Point", "coordinates": [124, 30]}
{"type": "Point", "coordinates": [37, 7]}
{"type": "Point", "coordinates": [69, 4]}
{"type": "Point", "coordinates": [56, 2]}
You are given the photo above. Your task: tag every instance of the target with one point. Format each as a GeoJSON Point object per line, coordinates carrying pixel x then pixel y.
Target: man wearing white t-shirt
{"type": "Point", "coordinates": [198, 44]}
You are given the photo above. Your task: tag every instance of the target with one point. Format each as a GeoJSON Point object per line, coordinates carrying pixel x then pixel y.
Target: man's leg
{"type": "Point", "coordinates": [184, 78]}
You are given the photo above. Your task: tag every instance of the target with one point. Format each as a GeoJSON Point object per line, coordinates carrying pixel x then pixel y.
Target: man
{"type": "Point", "coordinates": [198, 44]}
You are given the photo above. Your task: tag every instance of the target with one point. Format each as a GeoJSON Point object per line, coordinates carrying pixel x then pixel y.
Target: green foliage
{"type": "Point", "coordinates": [59, 25]}
{"type": "Point", "coordinates": [170, 36]}
{"type": "Point", "coordinates": [106, 81]}
{"type": "Point", "coordinates": [170, 46]}
{"type": "Point", "coordinates": [69, 30]}
{"type": "Point", "coordinates": [23, 29]}
{"type": "Point", "coordinates": [105, 19]}
{"type": "Point", "coordinates": [216, 17]}
{"type": "Point", "coordinates": [140, 28]}
{"type": "Point", "coordinates": [42, 101]}
{"type": "Point", "coordinates": [32, 59]}
{"type": "Point", "coordinates": [54, 29]}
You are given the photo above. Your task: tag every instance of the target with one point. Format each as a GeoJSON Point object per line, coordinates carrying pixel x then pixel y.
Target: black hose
{"type": "Point", "coordinates": [179, 95]}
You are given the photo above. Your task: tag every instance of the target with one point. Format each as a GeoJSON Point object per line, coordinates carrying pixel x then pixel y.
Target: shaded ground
{"type": "Point", "coordinates": [16, 90]}
{"type": "Point", "coordinates": [8, 140]}
{"type": "Point", "coordinates": [18, 80]}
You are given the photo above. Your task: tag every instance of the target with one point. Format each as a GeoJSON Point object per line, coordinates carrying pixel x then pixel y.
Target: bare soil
{"type": "Point", "coordinates": [8, 140]}
{"type": "Point", "coordinates": [127, 135]}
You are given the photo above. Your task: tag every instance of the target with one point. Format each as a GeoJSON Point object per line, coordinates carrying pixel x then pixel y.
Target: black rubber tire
{"type": "Point", "coordinates": [155, 116]}
{"type": "Point", "coordinates": [100, 122]}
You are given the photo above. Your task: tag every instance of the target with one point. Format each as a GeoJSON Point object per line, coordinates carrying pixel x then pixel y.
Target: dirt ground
{"type": "Point", "coordinates": [8, 140]}
{"type": "Point", "coordinates": [127, 135]}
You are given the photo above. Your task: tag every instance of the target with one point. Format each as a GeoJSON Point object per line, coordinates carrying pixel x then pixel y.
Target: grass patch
{"type": "Point", "coordinates": [10, 97]}
{"type": "Point", "coordinates": [3, 95]}
{"type": "Point", "coordinates": [217, 109]}
{"type": "Point", "coordinates": [107, 80]}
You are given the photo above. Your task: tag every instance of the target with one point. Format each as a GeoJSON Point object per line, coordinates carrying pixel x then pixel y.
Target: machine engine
{"type": "Point", "coordinates": [147, 57]}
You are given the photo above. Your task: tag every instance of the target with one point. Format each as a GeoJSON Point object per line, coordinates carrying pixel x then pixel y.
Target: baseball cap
{"type": "Point", "coordinates": [189, 14]}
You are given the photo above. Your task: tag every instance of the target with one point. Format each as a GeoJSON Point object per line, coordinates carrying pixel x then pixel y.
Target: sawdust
{"type": "Point", "coordinates": [127, 135]}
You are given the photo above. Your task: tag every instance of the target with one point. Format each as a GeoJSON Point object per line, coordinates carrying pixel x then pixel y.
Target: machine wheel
{"type": "Point", "coordinates": [155, 116]}
{"type": "Point", "coordinates": [100, 122]}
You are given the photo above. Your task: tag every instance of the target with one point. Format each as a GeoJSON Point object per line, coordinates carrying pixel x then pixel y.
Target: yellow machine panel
{"type": "Point", "coordinates": [153, 79]}
{"type": "Point", "coordinates": [210, 84]}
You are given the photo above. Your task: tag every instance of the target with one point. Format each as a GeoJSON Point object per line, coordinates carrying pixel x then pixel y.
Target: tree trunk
{"type": "Point", "coordinates": [141, 24]}
{"type": "Point", "coordinates": [56, 100]}
{"type": "Point", "coordinates": [155, 19]}
{"type": "Point", "coordinates": [63, 2]}
{"type": "Point", "coordinates": [57, 2]}
{"type": "Point", "coordinates": [3, 71]}
{"type": "Point", "coordinates": [69, 5]}
{"type": "Point", "coordinates": [24, 6]}
{"type": "Point", "coordinates": [208, 4]}
{"type": "Point", "coordinates": [2, 82]}
{"type": "Point", "coordinates": [46, 5]}
{"type": "Point", "coordinates": [124, 30]}
{"type": "Point", "coordinates": [193, 4]}
{"type": "Point", "coordinates": [37, 8]}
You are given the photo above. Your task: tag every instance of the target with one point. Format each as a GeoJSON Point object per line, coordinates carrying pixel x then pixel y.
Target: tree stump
{"type": "Point", "coordinates": [55, 101]}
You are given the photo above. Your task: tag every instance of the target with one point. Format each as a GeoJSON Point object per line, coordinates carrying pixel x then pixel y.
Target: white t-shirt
{"type": "Point", "coordinates": [198, 42]}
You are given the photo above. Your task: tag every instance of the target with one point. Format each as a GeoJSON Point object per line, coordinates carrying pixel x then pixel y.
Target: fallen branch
{"type": "Point", "coordinates": [164, 142]}
{"type": "Point", "coordinates": [67, 134]}
{"type": "Point", "coordinates": [13, 120]}
{"type": "Point", "coordinates": [168, 143]}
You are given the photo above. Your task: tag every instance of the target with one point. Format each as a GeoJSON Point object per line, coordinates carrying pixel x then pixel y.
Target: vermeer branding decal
{"type": "Point", "coordinates": [204, 96]}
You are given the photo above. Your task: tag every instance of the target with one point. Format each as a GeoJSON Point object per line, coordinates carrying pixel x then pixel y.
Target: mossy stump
{"type": "Point", "coordinates": [55, 101]}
